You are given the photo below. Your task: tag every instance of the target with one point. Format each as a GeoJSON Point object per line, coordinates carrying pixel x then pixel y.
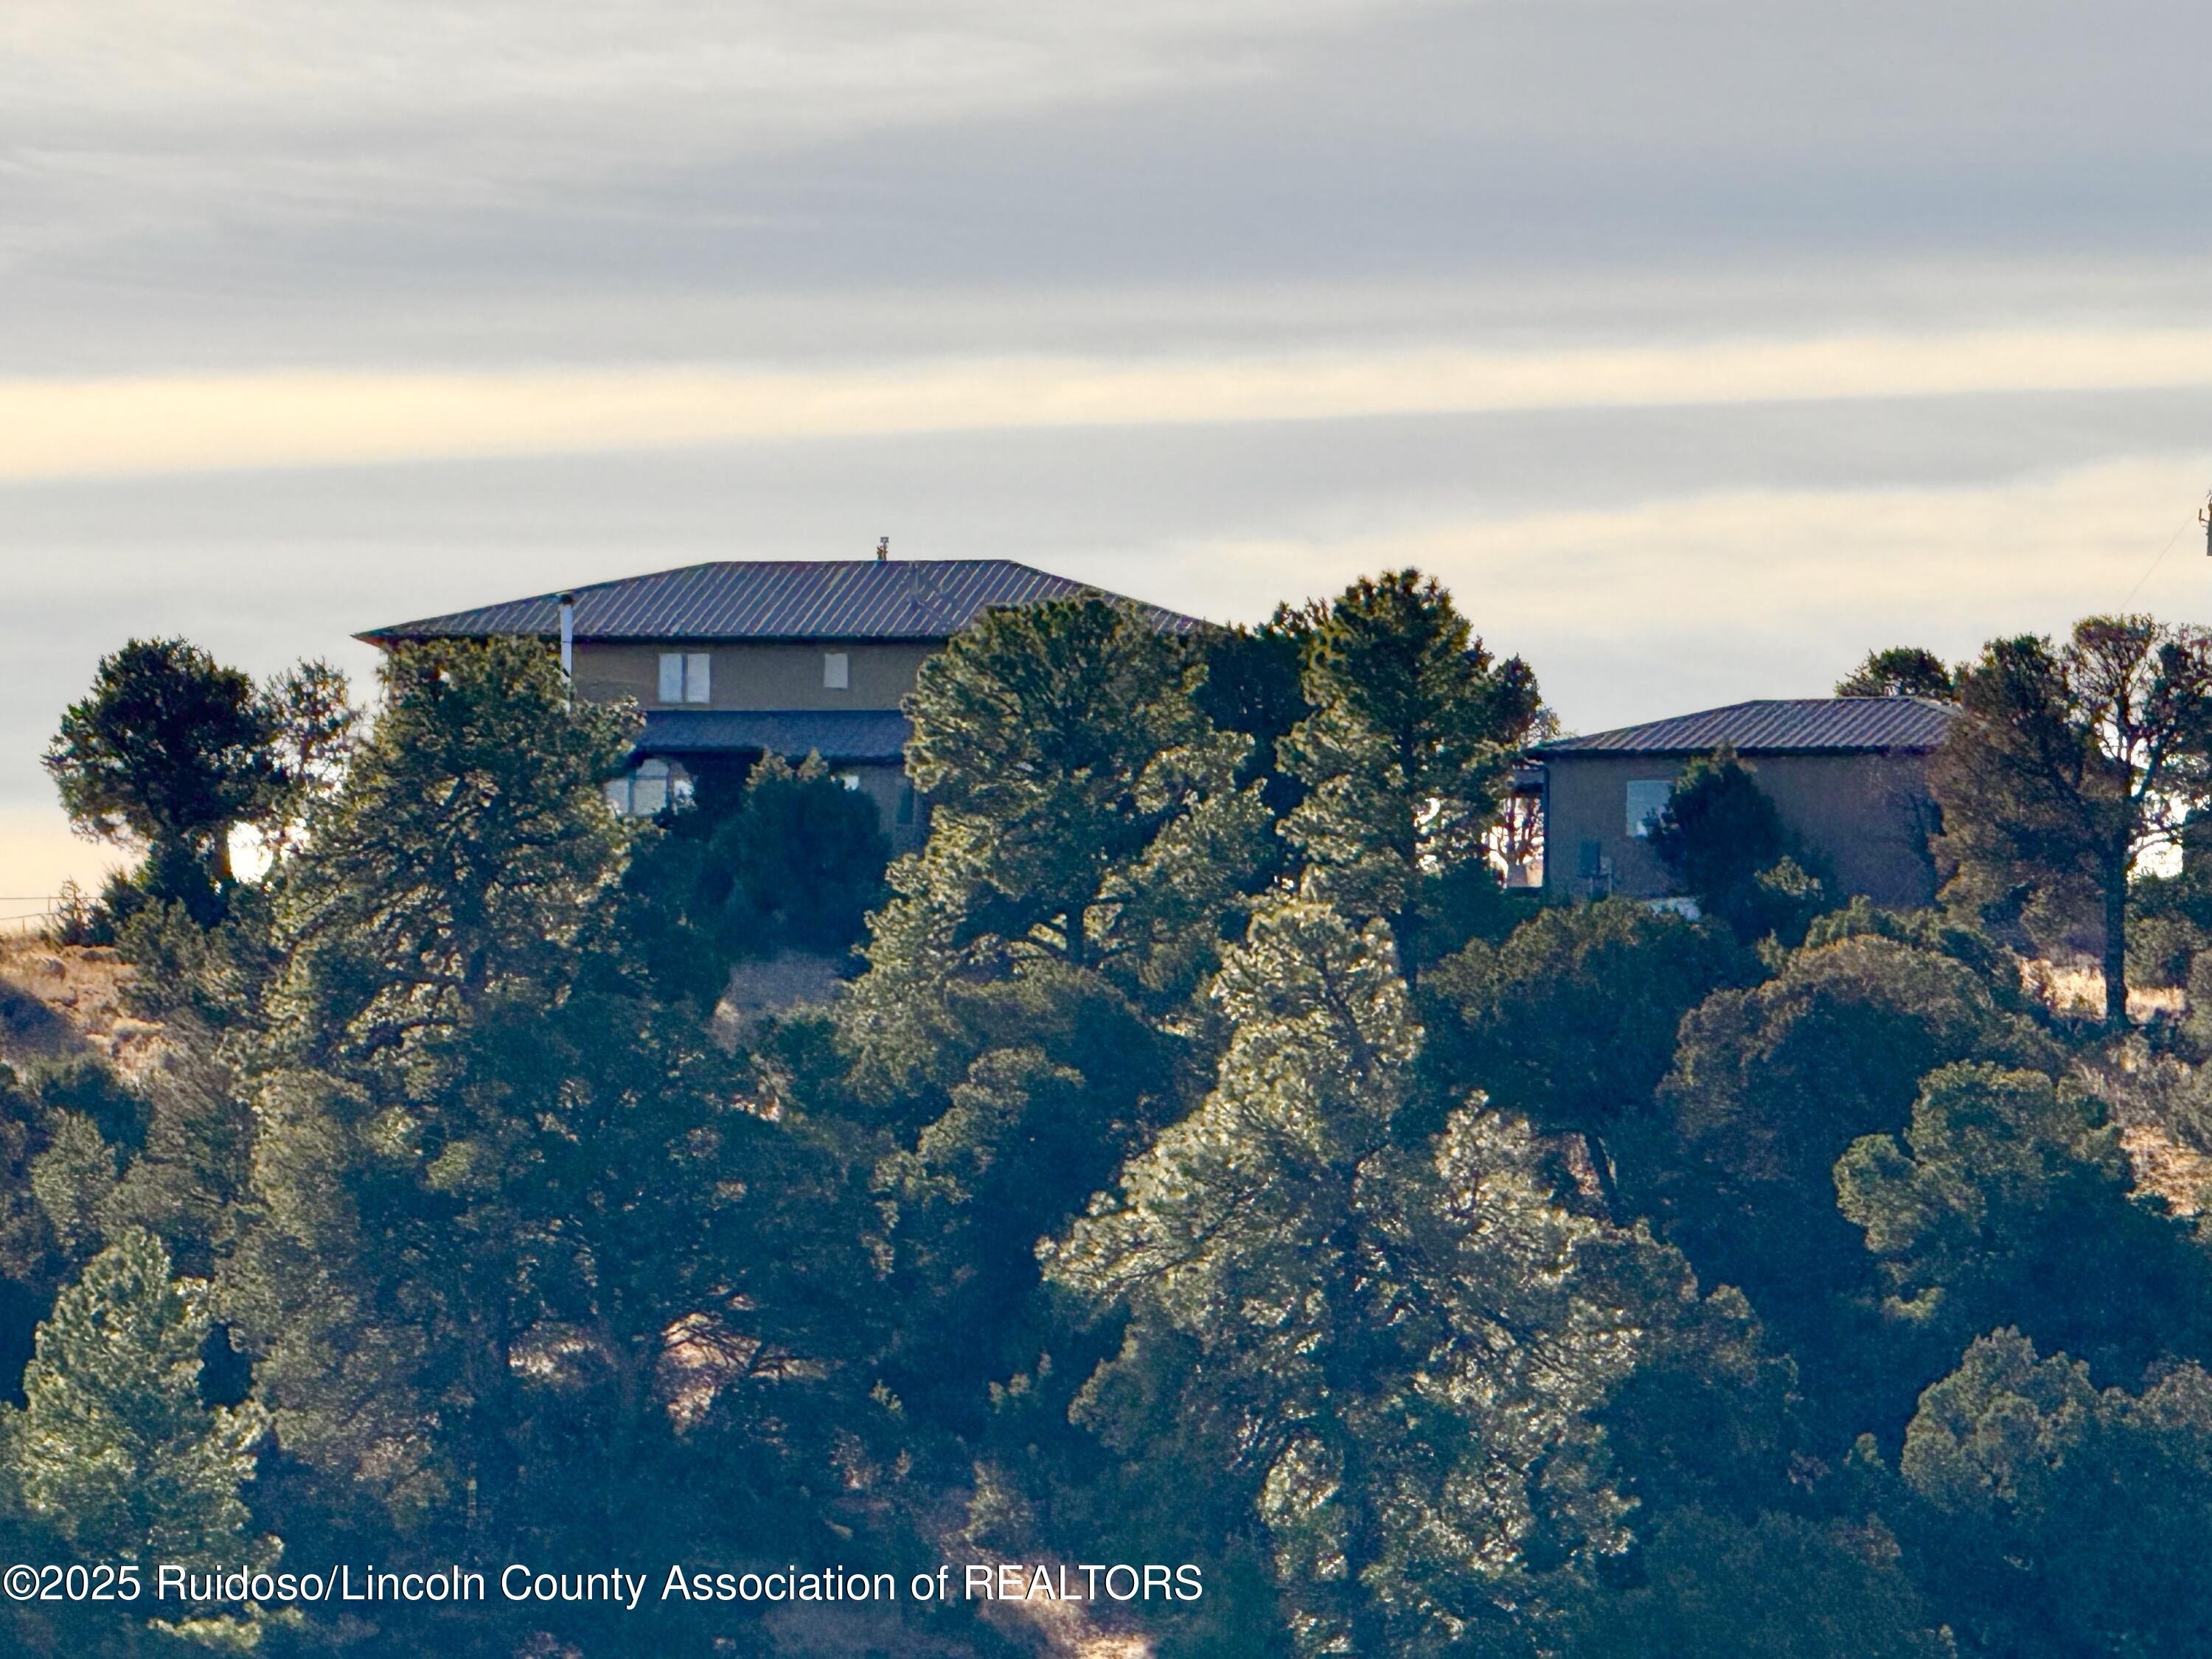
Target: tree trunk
{"type": "Point", "coordinates": [2116, 947]}
{"type": "Point", "coordinates": [1602, 1167]}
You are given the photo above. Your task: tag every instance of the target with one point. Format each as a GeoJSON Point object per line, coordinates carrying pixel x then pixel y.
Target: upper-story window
{"type": "Point", "coordinates": [1647, 803]}
{"type": "Point", "coordinates": [836, 670]}
{"type": "Point", "coordinates": [684, 675]}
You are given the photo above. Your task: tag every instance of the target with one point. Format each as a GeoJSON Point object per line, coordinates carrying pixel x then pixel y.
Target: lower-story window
{"type": "Point", "coordinates": [649, 788]}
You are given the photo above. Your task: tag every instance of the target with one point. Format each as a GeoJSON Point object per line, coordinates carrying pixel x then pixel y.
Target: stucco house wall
{"type": "Point", "coordinates": [1867, 816]}
{"type": "Point", "coordinates": [771, 674]}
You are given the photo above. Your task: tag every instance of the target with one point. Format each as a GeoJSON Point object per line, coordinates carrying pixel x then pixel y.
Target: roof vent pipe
{"type": "Point", "coordinates": [567, 635]}
{"type": "Point", "coordinates": [883, 548]}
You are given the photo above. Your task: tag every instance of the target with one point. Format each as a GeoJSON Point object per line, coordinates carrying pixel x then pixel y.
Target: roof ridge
{"type": "Point", "coordinates": [776, 598]}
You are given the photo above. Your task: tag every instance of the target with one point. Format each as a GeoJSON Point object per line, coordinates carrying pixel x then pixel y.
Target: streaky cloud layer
{"type": "Point", "coordinates": [59, 428]}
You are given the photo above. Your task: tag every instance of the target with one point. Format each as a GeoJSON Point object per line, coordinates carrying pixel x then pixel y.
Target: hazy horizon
{"type": "Point", "coordinates": [1698, 347]}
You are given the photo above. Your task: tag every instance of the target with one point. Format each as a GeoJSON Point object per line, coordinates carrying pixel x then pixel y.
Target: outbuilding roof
{"type": "Point", "coordinates": [915, 600]}
{"type": "Point", "coordinates": [836, 734]}
{"type": "Point", "coordinates": [1779, 726]}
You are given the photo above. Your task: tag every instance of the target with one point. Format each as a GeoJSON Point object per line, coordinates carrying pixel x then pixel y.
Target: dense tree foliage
{"type": "Point", "coordinates": [1400, 1345]}
{"type": "Point", "coordinates": [1723, 839]}
{"type": "Point", "coordinates": [114, 1446]}
{"type": "Point", "coordinates": [1205, 1161]}
{"type": "Point", "coordinates": [171, 750]}
{"type": "Point", "coordinates": [1900, 670]}
{"type": "Point", "coordinates": [2071, 763]}
{"type": "Point", "coordinates": [1410, 746]}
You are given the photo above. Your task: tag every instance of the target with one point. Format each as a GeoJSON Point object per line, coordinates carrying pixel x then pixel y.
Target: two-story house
{"type": "Point", "coordinates": [1848, 775]}
{"type": "Point", "coordinates": [742, 657]}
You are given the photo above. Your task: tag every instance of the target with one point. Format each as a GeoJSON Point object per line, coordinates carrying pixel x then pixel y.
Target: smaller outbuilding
{"type": "Point", "coordinates": [1849, 775]}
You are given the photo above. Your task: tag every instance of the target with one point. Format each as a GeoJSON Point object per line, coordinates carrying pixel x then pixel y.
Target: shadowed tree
{"type": "Point", "coordinates": [2063, 1520]}
{"type": "Point", "coordinates": [169, 751]}
{"type": "Point", "coordinates": [2069, 765]}
{"type": "Point", "coordinates": [1723, 839]}
{"type": "Point", "coordinates": [2008, 1201]}
{"type": "Point", "coordinates": [1902, 671]}
{"type": "Point", "coordinates": [1571, 1020]}
{"type": "Point", "coordinates": [493, 1182]}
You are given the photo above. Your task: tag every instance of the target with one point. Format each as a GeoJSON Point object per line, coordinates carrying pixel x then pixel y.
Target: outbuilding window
{"type": "Point", "coordinates": [836, 670]}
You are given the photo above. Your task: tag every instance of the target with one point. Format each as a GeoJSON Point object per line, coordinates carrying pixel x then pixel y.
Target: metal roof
{"type": "Point", "coordinates": [838, 734]}
{"type": "Point", "coordinates": [775, 599]}
{"type": "Point", "coordinates": [1774, 725]}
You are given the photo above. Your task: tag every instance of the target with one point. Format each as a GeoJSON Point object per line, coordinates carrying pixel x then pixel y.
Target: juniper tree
{"type": "Point", "coordinates": [2069, 764]}
{"type": "Point", "coordinates": [2009, 1201]}
{"type": "Point", "coordinates": [1398, 1343]}
{"type": "Point", "coordinates": [113, 1446]}
{"type": "Point", "coordinates": [1723, 838]}
{"type": "Point", "coordinates": [1769, 1087]}
{"type": "Point", "coordinates": [2062, 1519]}
{"type": "Point", "coordinates": [1412, 741]}
{"type": "Point", "coordinates": [1571, 1020]}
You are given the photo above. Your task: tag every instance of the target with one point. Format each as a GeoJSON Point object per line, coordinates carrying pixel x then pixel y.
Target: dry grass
{"type": "Point", "coordinates": [2071, 988]}
{"type": "Point", "coordinates": [61, 1001]}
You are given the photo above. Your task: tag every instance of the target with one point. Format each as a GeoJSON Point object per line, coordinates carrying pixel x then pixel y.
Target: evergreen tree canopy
{"type": "Point", "coordinates": [1769, 1086]}
{"type": "Point", "coordinates": [1902, 671]}
{"type": "Point", "coordinates": [114, 1446]}
{"type": "Point", "coordinates": [2069, 764]}
{"type": "Point", "coordinates": [1059, 744]}
{"type": "Point", "coordinates": [1412, 738]}
{"type": "Point", "coordinates": [1724, 841]}
{"type": "Point", "coordinates": [2008, 1202]}
{"type": "Point", "coordinates": [170, 751]}
{"type": "Point", "coordinates": [2066, 1520]}
{"type": "Point", "coordinates": [1779, 1587]}
{"type": "Point", "coordinates": [492, 1174]}
{"type": "Point", "coordinates": [1571, 1020]}
{"type": "Point", "coordinates": [1398, 1345]}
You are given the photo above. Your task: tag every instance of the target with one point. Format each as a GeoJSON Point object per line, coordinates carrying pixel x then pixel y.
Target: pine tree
{"type": "Point", "coordinates": [1901, 670]}
{"type": "Point", "coordinates": [1033, 1003]}
{"type": "Point", "coordinates": [2068, 765]}
{"type": "Point", "coordinates": [113, 1446]}
{"type": "Point", "coordinates": [1413, 735]}
{"type": "Point", "coordinates": [494, 1179]}
{"type": "Point", "coordinates": [1396, 1344]}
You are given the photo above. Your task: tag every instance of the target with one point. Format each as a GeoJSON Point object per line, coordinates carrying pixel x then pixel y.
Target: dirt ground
{"type": "Point", "coordinates": [58, 1001]}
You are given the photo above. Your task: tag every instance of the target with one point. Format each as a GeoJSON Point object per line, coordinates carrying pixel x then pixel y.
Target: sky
{"type": "Point", "coordinates": [1698, 345]}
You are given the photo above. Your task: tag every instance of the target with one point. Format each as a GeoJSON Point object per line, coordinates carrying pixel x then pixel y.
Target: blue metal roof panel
{"type": "Point", "coordinates": [775, 600]}
{"type": "Point", "coordinates": [839, 734]}
{"type": "Point", "coordinates": [1778, 725]}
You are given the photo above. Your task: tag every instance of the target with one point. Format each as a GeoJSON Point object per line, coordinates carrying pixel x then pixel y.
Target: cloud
{"type": "Point", "coordinates": [56, 428]}
{"type": "Point", "coordinates": [1660, 606]}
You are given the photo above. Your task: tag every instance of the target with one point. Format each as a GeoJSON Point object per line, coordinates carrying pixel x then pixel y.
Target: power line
{"type": "Point", "coordinates": [2157, 561]}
